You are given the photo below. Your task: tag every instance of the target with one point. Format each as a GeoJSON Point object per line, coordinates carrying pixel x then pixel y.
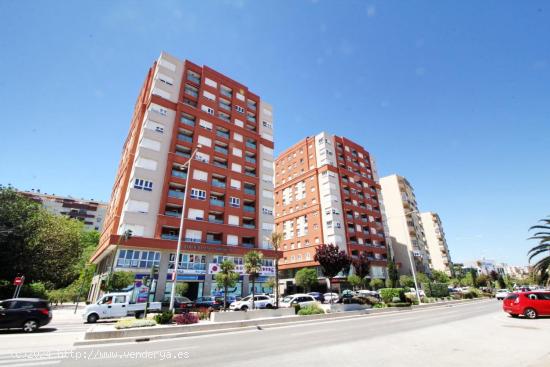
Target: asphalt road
{"type": "Point", "coordinates": [474, 334]}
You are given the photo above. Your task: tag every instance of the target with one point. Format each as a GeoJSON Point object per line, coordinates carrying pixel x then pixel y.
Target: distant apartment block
{"type": "Point", "coordinates": [437, 244]}
{"type": "Point", "coordinates": [91, 213]}
{"type": "Point", "coordinates": [405, 225]}
{"type": "Point", "coordinates": [183, 106]}
{"type": "Point", "coordinates": [327, 193]}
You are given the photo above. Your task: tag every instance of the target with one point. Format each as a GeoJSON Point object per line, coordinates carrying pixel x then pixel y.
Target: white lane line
{"type": "Point", "coordinates": [26, 363]}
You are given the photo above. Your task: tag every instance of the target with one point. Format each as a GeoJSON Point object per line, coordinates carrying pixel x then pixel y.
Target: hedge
{"type": "Point", "coordinates": [436, 289]}
{"type": "Point", "coordinates": [388, 294]}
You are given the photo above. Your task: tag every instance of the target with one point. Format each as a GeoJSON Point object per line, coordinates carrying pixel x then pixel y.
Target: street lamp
{"type": "Point", "coordinates": [413, 268]}
{"type": "Point", "coordinates": [178, 248]}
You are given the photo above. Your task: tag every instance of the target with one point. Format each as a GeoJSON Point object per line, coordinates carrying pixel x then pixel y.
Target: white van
{"type": "Point", "coordinates": [115, 305]}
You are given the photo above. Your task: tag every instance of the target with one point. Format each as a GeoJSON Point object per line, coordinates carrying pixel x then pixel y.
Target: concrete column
{"type": "Point", "coordinates": [163, 271]}
{"type": "Point", "coordinates": [245, 285]}
{"type": "Point", "coordinates": [207, 288]}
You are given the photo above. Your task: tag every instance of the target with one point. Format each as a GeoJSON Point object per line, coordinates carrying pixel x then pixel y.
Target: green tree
{"type": "Point", "coordinates": [422, 278]}
{"type": "Point", "coordinates": [276, 239]}
{"type": "Point", "coordinates": [483, 281]}
{"type": "Point", "coordinates": [377, 283]}
{"type": "Point", "coordinates": [253, 267]}
{"type": "Point", "coordinates": [119, 280]}
{"type": "Point", "coordinates": [355, 281]}
{"type": "Point", "coordinates": [468, 280]}
{"type": "Point", "coordinates": [541, 252]}
{"type": "Point", "coordinates": [440, 276]}
{"type": "Point", "coordinates": [227, 277]}
{"type": "Point", "coordinates": [406, 281]}
{"type": "Point", "coordinates": [361, 265]}
{"type": "Point", "coordinates": [393, 274]}
{"type": "Point", "coordinates": [181, 288]}
{"type": "Point", "coordinates": [306, 278]}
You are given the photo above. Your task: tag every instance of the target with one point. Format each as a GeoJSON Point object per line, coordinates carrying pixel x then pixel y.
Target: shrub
{"type": "Point", "coordinates": [388, 294]}
{"type": "Point", "coordinates": [377, 283]}
{"type": "Point", "coordinates": [204, 313]}
{"type": "Point", "coordinates": [186, 318]}
{"type": "Point", "coordinates": [134, 323]}
{"type": "Point", "coordinates": [379, 305]}
{"type": "Point", "coordinates": [370, 300]}
{"type": "Point", "coordinates": [296, 309]}
{"type": "Point", "coordinates": [399, 304]}
{"type": "Point", "coordinates": [436, 289]}
{"type": "Point", "coordinates": [473, 293]}
{"type": "Point", "coordinates": [310, 310]}
{"type": "Point", "coordinates": [164, 318]}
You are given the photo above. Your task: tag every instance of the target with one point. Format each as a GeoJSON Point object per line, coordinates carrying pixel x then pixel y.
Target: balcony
{"type": "Point", "coordinates": [250, 173]}
{"type": "Point", "coordinates": [250, 191]}
{"type": "Point", "coordinates": [251, 145]}
{"type": "Point", "coordinates": [219, 164]}
{"type": "Point", "coordinates": [226, 93]}
{"type": "Point", "coordinates": [248, 245]}
{"type": "Point", "coordinates": [248, 208]}
{"type": "Point", "coordinates": [217, 202]}
{"type": "Point", "coordinates": [247, 225]}
{"type": "Point", "coordinates": [222, 134]}
{"type": "Point", "coordinates": [191, 91]}
{"type": "Point", "coordinates": [214, 242]}
{"type": "Point", "coordinates": [176, 194]}
{"type": "Point", "coordinates": [251, 118]}
{"type": "Point", "coordinates": [221, 149]}
{"type": "Point", "coordinates": [179, 174]}
{"type": "Point", "coordinates": [250, 159]}
{"type": "Point", "coordinates": [187, 121]}
{"type": "Point", "coordinates": [166, 236]}
{"type": "Point", "coordinates": [171, 213]}
{"type": "Point", "coordinates": [193, 79]}
{"type": "Point", "coordinates": [224, 117]}
{"type": "Point", "coordinates": [186, 138]}
{"type": "Point", "coordinates": [183, 154]}
{"type": "Point", "coordinates": [251, 105]}
{"type": "Point", "coordinates": [215, 220]}
{"type": "Point", "coordinates": [226, 107]}
{"type": "Point", "coordinates": [218, 183]}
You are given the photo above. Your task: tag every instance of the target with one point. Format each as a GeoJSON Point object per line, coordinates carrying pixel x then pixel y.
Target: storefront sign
{"type": "Point", "coordinates": [267, 271]}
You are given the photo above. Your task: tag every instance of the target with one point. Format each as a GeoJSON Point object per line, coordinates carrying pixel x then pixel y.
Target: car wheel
{"type": "Point", "coordinates": [269, 306]}
{"type": "Point", "coordinates": [514, 315]}
{"type": "Point", "coordinates": [244, 308]}
{"type": "Point", "coordinates": [30, 326]}
{"type": "Point", "coordinates": [139, 315]}
{"type": "Point", "coordinates": [530, 313]}
{"type": "Point", "coordinates": [92, 318]}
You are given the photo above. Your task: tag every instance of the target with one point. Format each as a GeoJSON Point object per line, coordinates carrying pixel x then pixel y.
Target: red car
{"type": "Point", "coordinates": [528, 304]}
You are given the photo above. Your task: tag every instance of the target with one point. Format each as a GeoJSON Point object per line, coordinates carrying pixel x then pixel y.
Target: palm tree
{"type": "Point", "coordinates": [542, 267]}
{"type": "Point", "coordinates": [253, 267]}
{"type": "Point", "coordinates": [226, 277]}
{"type": "Point", "coordinates": [276, 239]}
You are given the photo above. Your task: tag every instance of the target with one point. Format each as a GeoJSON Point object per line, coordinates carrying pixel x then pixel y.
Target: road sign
{"type": "Point", "coordinates": [18, 281]}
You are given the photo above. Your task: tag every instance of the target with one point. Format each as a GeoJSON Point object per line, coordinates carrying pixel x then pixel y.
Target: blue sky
{"type": "Point", "coordinates": [453, 95]}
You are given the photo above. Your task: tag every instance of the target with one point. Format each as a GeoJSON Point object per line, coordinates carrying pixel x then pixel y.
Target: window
{"type": "Point", "coordinates": [200, 175]}
{"type": "Point", "coordinates": [267, 211]}
{"type": "Point", "coordinates": [235, 184]}
{"type": "Point", "coordinates": [198, 194]}
{"type": "Point", "coordinates": [191, 263]}
{"type": "Point", "coordinates": [239, 109]}
{"type": "Point", "coordinates": [207, 109]}
{"type": "Point", "coordinates": [137, 259]}
{"type": "Point", "coordinates": [143, 184]}
{"type": "Point", "coordinates": [267, 124]}
{"type": "Point", "coordinates": [233, 220]}
{"type": "Point", "coordinates": [234, 202]}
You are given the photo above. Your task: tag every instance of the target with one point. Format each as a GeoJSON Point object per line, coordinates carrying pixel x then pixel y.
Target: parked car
{"type": "Point", "coordinates": [115, 305]}
{"type": "Point", "coordinates": [244, 304]}
{"type": "Point", "coordinates": [301, 299]}
{"type": "Point", "coordinates": [366, 292]}
{"type": "Point", "coordinates": [331, 297]}
{"type": "Point", "coordinates": [318, 296]}
{"type": "Point", "coordinates": [528, 304]}
{"type": "Point", "coordinates": [181, 304]}
{"type": "Point", "coordinates": [501, 294]}
{"type": "Point", "coordinates": [27, 314]}
{"type": "Point", "coordinates": [209, 302]}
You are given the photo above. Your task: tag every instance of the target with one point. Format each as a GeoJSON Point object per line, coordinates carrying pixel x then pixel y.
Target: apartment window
{"type": "Point", "coordinates": [143, 184]}
{"type": "Point", "coordinates": [267, 211]}
{"type": "Point", "coordinates": [234, 202]}
{"type": "Point", "coordinates": [239, 109]}
{"type": "Point", "coordinates": [198, 194]}
{"type": "Point", "coordinates": [267, 124]}
{"type": "Point", "coordinates": [137, 259]}
{"type": "Point", "coordinates": [207, 109]}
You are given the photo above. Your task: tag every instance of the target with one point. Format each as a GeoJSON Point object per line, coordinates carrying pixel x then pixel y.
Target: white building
{"type": "Point", "coordinates": [437, 244]}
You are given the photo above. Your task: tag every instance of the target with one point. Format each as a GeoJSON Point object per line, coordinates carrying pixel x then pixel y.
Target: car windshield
{"type": "Point", "coordinates": [246, 298]}
{"type": "Point", "coordinates": [287, 299]}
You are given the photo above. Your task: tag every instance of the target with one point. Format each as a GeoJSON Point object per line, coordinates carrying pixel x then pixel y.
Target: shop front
{"type": "Point", "coordinates": [191, 270]}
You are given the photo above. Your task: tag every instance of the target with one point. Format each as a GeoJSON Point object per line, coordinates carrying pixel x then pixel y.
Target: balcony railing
{"type": "Point", "coordinates": [172, 214]}
{"type": "Point", "coordinates": [225, 118]}
{"type": "Point", "coordinates": [248, 245]}
{"type": "Point", "coordinates": [217, 202]}
{"type": "Point", "coordinates": [251, 226]}
{"type": "Point", "coordinates": [222, 134]}
{"type": "Point", "coordinates": [248, 208]}
{"type": "Point", "coordinates": [166, 236]}
{"type": "Point", "coordinates": [215, 220]}
{"type": "Point", "coordinates": [219, 164]}
{"type": "Point", "coordinates": [250, 159]}
{"type": "Point", "coordinates": [214, 242]}
{"type": "Point", "coordinates": [179, 174]}
{"type": "Point", "coordinates": [221, 150]}
{"type": "Point", "coordinates": [183, 154]}
{"type": "Point", "coordinates": [251, 119]}
{"type": "Point", "coordinates": [251, 145]}
{"type": "Point", "coordinates": [249, 191]}
{"type": "Point", "coordinates": [252, 106]}
{"type": "Point", "coordinates": [191, 92]}
{"type": "Point", "coordinates": [218, 183]}
{"type": "Point", "coordinates": [188, 122]}
{"type": "Point", "coordinates": [226, 93]}
{"type": "Point", "coordinates": [186, 138]}
{"type": "Point", "coordinates": [225, 106]}
{"type": "Point", "coordinates": [249, 173]}
{"type": "Point", "coordinates": [176, 194]}
{"type": "Point", "coordinates": [193, 78]}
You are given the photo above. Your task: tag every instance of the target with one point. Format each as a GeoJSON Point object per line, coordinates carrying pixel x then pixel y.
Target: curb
{"type": "Point", "coordinates": [147, 334]}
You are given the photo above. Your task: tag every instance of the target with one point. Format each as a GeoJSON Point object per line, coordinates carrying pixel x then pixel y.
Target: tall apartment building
{"type": "Point", "coordinates": [90, 212]}
{"type": "Point", "coordinates": [229, 211]}
{"type": "Point", "coordinates": [405, 225]}
{"type": "Point", "coordinates": [437, 244]}
{"type": "Point", "coordinates": [327, 193]}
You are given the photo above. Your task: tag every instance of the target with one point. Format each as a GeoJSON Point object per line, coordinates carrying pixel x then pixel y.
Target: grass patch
{"type": "Point", "coordinates": [134, 323]}
{"type": "Point", "coordinates": [310, 310]}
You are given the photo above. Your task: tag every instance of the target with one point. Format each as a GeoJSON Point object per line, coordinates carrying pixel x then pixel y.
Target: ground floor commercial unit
{"type": "Point", "coordinates": [198, 266]}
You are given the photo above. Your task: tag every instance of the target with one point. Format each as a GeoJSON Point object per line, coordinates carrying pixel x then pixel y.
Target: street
{"type": "Point", "coordinates": [463, 335]}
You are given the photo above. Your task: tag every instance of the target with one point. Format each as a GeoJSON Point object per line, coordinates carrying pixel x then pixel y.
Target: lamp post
{"type": "Point", "coordinates": [178, 248]}
{"type": "Point", "coordinates": [413, 269]}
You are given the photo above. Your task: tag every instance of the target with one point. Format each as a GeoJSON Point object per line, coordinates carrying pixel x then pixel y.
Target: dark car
{"type": "Point", "coordinates": [318, 296]}
{"type": "Point", "coordinates": [27, 314]}
{"type": "Point", "coordinates": [214, 302]}
{"type": "Point", "coordinates": [181, 304]}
